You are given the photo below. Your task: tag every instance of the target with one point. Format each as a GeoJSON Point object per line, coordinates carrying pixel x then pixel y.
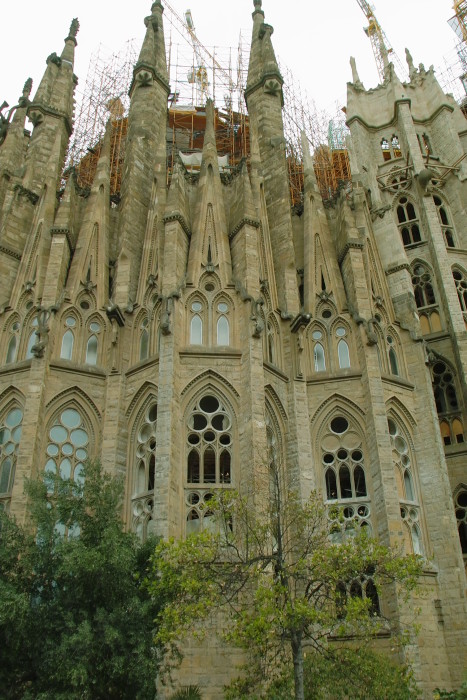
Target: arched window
{"type": "Point", "coordinates": [446, 226]}
{"type": "Point", "coordinates": [142, 502]}
{"type": "Point", "coordinates": [408, 222]}
{"type": "Point", "coordinates": [343, 354]}
{"type": "Point", "coordinates": [144, 340]}
{"type": "Point", "coordinates": [196, 324]}
{"type": "Point", "coordinates": [409, 508]}
{"type": "Point", "coordinates": [460, 504]}
{"type": "Point", "coordinates": [386, 149]}
{"type": "Point", "coordinates": [91, 350]}
{"type": "Point", "coordinates": [319, 357]}
{"type": "Point", "coordinates": [12, 347]}
{"type": "Point", "coordinates": [209, 456]}
{"type": "Point", "coordinates": [10, 436]}
{"type": "Point", "coordinates": [444, 388]}
{"type": "Point", "coordinates": [66, 351]}
{"type": "Point", "coordinates": [223, 331]}
{"type": "Point", "coordinates": [425, 299]}
{"type": "Point", "coordinates": [395, 145]}
{"type": "Point", "coordinates": [68, 446]}
{"type": "Point", "coordinates": [344, 477]}
{"type": "Point", "coordinates": [32, 340]}
{"type": "Point", "coordinates": [270, 339]}
{"type": "Point", "coordinates": [461, 286]}
{"type": "Point", "coordinates": [392, 355]}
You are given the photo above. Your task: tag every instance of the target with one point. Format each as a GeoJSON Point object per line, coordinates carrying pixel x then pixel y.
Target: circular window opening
{"type": "Point", "coordinates": [462, 498]}
{"type": "Point", "coordinates": [326, 313]}
{"type": "Point", "coordinates": [85, 305]}
{"type": "Point", "coordinates": [317, 335]}
{"type": "Point", "coordinates": [193, 499]}
{"type": "Point", "coordinates": [348, 512]}
{"type": "Point", "coordinates": [357, 456]}
{"type": "Point", "coordinates": [209, 287]}
{"type": "Point", "coordinates": [193, 439]}
{"type": "Point", "coordinates": [199, 422]}
{"type": "Point", "coordinates": [339, 425]}
{"type": "Point", "coordinates": [209, 404]}
{"type": "Point", "coordinates": [209, 436]}
{"type": "Point", "coordinates": [342, 454]}
{"type": "Point", "coordinates": [224, 439]}
{"type": "Point", "coordinates": [222, 307]}
{"type": "Point", "coordinates": [152, 415]}
{"type": "Point", "coordinates": [29, 305]}
{"type": "Point", "coordinates": [70, 321]}
{"type": "Point", "coordinates": [340, 332]}
{"type": "Point", "coordinates": [196, 306]}
{"type": "Point", "coordinates": [328, 458]}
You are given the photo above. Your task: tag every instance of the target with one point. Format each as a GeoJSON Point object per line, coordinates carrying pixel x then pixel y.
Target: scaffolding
{"type": "Point", "coordinates": [105, 97]}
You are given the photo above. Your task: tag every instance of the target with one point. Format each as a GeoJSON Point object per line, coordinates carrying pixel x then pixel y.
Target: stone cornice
{"type": "Point", "coordinates": [176, 216]}
{"type": "Point", "coordinates": [11, 253]}
{"type": "Point", "coordinates": [358, 118]}
{"type": "Point", "coordinates": [62, 231]}
{"type": "Point", "coordinates": [350, 245]}
{"type": "Point", "coordinates": [246, 221]}
{"type": "Point", "coordinates": [28, 194]}
{"type": "Point", "coordinates": [397, 268]}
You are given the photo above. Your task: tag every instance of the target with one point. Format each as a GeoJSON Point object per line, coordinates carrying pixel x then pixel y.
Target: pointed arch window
{"type": "Point", "coordinates": [461, 286]}
{"type": "Point", "coordinates": [12, 348]}
{"type": "Point", "coordinates": [223, 327]}
{"type": "Point", "coordinates": [209, 464]}
{"type": "Point", "coordinates": [409, 508]}
{"type": "Point", "coordinates": [444, 220]}
{"type": "Point", "coordinates": [144, 474]}
{"type": "Point", "coordinates": [425, 299]}
{"type": "Point", "coordinates": [10, 436]}
{"type": "Point", "coordinates": [66, 352]}
{"type": "Point", "coordinates": [68, 446]}
{"type": "Point", "coordinates": [407, 218]}
{"type": "Point", "coordinates": [32, 340]}
{"type": "Point", "coordinates": [344, 478]}
{"type": "Point", "coordinates": [196, 324]}
{"type": "Point", "coordinates": [392, 355]}
{"type": "Point", "coordinates": [92, 345]}
{"type": "Point", "coordinates": [460, 504]}
{"type": "Point", "coordinates": [447, 405]}
{"type": "Point", "coordinates": [343, 352]}
{"type": "Point", "coordinates": [144, 340]}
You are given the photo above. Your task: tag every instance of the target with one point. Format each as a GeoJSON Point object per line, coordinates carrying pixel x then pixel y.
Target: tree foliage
{"type": "Point", "coordinates": [75, 619]}
{"type": "Point", "coordinates": [282, 584]}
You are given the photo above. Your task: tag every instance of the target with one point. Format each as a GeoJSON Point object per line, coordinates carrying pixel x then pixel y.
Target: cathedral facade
{"type": "Point", "coordinates": [194, 326]}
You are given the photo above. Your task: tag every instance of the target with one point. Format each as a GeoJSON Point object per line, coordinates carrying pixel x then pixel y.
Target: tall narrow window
{"type": "Point", "coordinates": [446, 227]}
{"type": "Point", "coordinates": [32, 340]}
{"type": "Point", "coordinates": [393, 363]}
{"type": "Point", "coordinates": [460, 504]}
{"type": "Point", "coordinates": [196, 324]}
{"type": "Point", "coordinates": [223, 336]}
{"type": "Point", "coordinates": [318, 352]}
{"type": "Point", "coordinates": [461, 286]}
{"type": "Point", "coordinates": [144, 340]}
{"type": "Point", "coordinates": [142, 502]}
{"type": "Point", "coordinates": [409, 508]}
{"type": "Point", "coordinates": [66, 352]}
{"type": "Point", "coordinates": [10, 436]}
{"type": "Point", "coordinates": [11, 350]}
{"type": "Point", "coordinates": [91, 351]}
{"type": "Point", "coordinates": [385, 148]}
{"type": "Point", "coordinates": [444, 388]}
{"type": "Point", "coordinates": [425, 299]}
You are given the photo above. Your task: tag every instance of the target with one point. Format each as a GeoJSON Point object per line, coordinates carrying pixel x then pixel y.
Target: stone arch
{"type": "Point", "coordinates": [11, 396]}
{"type": "Point", "coordinates": [86, 297]}
{"type": "Point", "coordinates": [334, 403]}
{"type": "Point", "coordinates": [273, 399]}
{"type": "Point", "coordinates": [211, 378]}
{"type": "Point", "coordinates": [144, 394]}
{"type": "Point", "coordinates": [400, 411]}
{"type": "Point", "coordinates": [75, 397]}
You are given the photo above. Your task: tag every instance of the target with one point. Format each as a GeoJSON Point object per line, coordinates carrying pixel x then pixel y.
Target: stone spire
{"type": "Point", "coordinates": [151, 64]}
{"type": "Point", "coordinates": [263, 67]}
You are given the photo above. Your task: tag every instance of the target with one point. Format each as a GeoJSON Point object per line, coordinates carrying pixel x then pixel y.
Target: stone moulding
{"type": "Point", "coordinates": [176, 216]}
{"type": "Point", "coordinates": [63, 231]}
{"type": "Point", "coordinates": [11, 253]}
{"type": "Point", "coordinates": [243, 222]}
{"type": "Point", "coordinates": [28, 194]}
{"type": "Point", "coordinates": [350, 245]}
{"type": "Point", "coordinates": [397, 268]}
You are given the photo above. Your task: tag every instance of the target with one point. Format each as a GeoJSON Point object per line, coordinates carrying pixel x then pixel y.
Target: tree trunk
{"type": "Point", "coordinates": [297, 655]}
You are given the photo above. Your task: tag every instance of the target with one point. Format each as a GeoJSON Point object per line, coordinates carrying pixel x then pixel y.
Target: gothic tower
{"type": "Point", "coordinates": [198, 326]}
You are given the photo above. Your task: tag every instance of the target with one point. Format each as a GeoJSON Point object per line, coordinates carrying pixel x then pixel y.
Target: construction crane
{"type": "Point", "coordinates": [203, 56]}
{"type": "Point", "coordinates": [382, 50]}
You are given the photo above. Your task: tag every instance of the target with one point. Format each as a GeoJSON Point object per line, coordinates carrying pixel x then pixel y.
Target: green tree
{"type": "Point", "coordinates": [284, 585]}
{"type": "Point", "coordinates": [75, 619]}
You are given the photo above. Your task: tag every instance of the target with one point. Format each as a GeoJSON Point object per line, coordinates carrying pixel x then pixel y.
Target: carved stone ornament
{"type": "Point", "coordinates": [272, 87]}
{"type": "Point", "coordinates": [36, 117]}
{"type": "Point", "coordinates": [53, 58]}
{"type": "Point", "coordinates": [144, 78]}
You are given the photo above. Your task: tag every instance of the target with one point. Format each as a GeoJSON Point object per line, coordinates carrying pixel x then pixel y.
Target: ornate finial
{"type": "Point", "coordinates": [27, 88]}
{"type": "Point", "coordinates": [257, 4]}
{"type": "Point", "coordinates": [74, 28]}
{"type": "Point", "coordinates": [410, 63]}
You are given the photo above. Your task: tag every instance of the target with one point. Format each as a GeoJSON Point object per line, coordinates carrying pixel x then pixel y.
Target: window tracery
{"type": "Point", "coordinates": [408, 222]}
{"type": "Point", "coordinates": [346, 489]}
{"type": "Point", "coordinates": [13, 342]}
{"type": "Point", "coordinates": [68, 339]}
{"type": "Point", "coordinates": [92, 345]}
{"type": "Point", "coordinates": [446, 226]}
{"type": "Point", "coordinates": [409, 507]}
{"type": "Point", "coordinates": [461, 286]}
{"type": "Point", "coordinates": [460, 505]}
{"type": "Point", "coordinates": [209, 456]}
{"type": "Point", "coordinates": [425, 299]}
{"type": "Point", "coordinates": [447, 405]}
{"type": "Point", "coordinates": [68, 446]}
{"type": "Point", "coordinates": [142, 502]}
{"type": "Point", "coordinates": [10, 436]}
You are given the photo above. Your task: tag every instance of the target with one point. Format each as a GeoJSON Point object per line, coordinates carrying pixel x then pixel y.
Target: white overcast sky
{"type": "Point", "coordinates": [314, 38]}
